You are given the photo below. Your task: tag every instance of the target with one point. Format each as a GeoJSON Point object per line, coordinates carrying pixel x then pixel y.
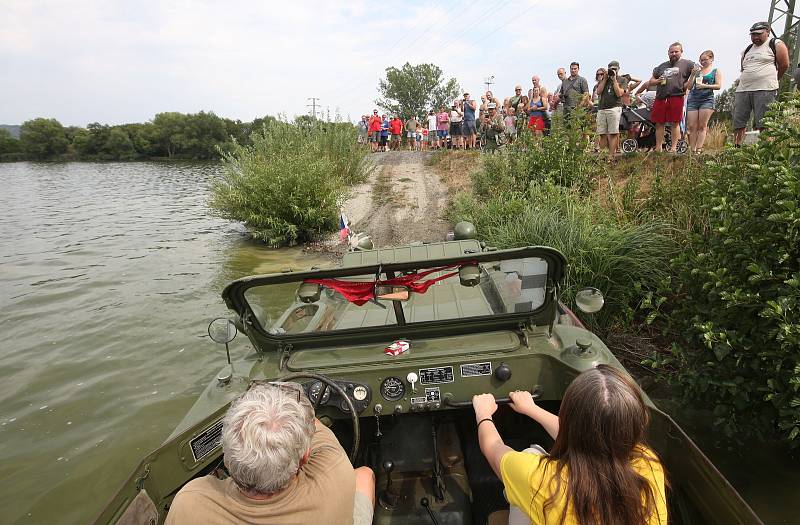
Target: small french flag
{"type": "Point", "coordinates": [344, 230]}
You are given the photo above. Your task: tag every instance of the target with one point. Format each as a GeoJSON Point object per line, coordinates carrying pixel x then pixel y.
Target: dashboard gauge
{"type": "Point", "coordinates": [392, 389]}
{"type": "Point", "coordinates": [315, 389]}
{"type": "Point", "coordinates": [360, 393]}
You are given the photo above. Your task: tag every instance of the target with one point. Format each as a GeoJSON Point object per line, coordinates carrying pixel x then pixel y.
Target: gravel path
{"type": "Point", "coordinates": [403, 201]}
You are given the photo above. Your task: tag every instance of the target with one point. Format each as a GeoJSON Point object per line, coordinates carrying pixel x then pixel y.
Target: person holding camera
{"type": "Point", "coordinates": [611, 87]}
{"type": "Point", "coordinates": [456, 116]}
{"type": "Point", "coordinates": [493, 128]}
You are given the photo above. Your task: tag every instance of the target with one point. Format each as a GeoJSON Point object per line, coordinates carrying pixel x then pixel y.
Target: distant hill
{"type": "Point", "coordinates": [13, 129]}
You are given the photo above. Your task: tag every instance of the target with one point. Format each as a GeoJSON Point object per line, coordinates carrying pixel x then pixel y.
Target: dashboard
{"type": "Point", "coordinates": [411, 390]}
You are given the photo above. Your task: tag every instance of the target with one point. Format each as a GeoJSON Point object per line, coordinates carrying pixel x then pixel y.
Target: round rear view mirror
{"type": "Point", "coordinates": [589, 300]}
{"type": "Point", "coordinates": [222, 330]}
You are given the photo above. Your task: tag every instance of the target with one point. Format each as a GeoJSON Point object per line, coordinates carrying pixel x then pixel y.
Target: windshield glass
{"type": "Point", "coordinates": [466, 290]}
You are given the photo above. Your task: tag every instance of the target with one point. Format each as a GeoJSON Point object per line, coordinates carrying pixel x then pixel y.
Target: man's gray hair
{"type": "Point", "coordinates": [676, 44]}
{"type": "Point", "coordinates": [265, 435]}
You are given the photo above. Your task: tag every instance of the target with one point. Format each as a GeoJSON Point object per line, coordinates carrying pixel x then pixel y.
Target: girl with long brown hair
{"type": "Point", "coordinates": [599, 471]}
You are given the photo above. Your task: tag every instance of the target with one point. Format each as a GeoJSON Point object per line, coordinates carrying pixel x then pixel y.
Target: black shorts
{"type": "Point", "coordinates": [455, 129]}
{"type": "Point", "coordinates": [468, 128]}
{"type": "Point", "coordinates": [383, 140]}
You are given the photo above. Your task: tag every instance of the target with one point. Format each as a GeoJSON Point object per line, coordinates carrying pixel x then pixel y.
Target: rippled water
{"type": "Point", "coordinates": [109, 275]}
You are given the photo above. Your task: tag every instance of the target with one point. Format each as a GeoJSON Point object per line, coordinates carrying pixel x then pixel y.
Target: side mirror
{"type": "Point", "coordinates": [589, 300]}
{"type": "Point", "coordinates": [222, 330]}
{"type": "Point", "coordinates": [387, 292]}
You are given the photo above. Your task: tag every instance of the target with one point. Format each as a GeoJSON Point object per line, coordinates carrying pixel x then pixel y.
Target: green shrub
{"type": "Point", "coordinates": [287, 185]}
{"type": "Point", "coordinates": [625, 261]}
{"type": "Point", "coordinates": [739, 300]}
{"type": "Point", "coordinates": [560, 158]}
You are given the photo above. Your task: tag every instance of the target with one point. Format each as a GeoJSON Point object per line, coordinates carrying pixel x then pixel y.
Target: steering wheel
{"type": "Point", "coordinates": [330, 383]}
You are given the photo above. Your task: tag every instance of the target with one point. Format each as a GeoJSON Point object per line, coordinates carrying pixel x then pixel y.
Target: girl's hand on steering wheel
{"type": "Point", "coordinates": [484, 405]}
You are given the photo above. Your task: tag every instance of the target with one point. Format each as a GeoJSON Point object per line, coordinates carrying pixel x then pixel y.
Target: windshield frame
{"type": "Point", "coordinates": [234, 296]}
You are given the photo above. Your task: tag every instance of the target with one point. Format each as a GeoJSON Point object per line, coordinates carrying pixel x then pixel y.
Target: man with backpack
{"type": "Point", "coordinates": [764, 62]}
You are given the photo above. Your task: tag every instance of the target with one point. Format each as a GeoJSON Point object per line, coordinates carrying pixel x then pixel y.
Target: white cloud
{"type": "Point", "coordinates": [93, 60]}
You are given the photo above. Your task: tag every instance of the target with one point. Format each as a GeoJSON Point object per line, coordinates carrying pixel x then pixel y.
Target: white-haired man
{"type": "Point", "coordinates": [285, 468]}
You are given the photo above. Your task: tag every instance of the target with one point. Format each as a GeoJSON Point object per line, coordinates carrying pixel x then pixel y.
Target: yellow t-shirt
{"type": "Point", "coordinates": [523, 473]}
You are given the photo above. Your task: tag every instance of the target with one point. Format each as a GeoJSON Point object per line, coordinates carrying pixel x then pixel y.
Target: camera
{"type": "Point", "coordinates": [612, 72]}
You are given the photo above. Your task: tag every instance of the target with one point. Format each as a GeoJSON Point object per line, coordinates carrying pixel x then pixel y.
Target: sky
{"type": "Point", "coordinates": [115, 62]}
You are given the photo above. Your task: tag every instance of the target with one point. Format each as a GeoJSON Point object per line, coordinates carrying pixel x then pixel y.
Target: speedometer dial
{"type": "Point", "coordinates": [314, 391]}
{"type": "Point", "coordinates": [392, 389]}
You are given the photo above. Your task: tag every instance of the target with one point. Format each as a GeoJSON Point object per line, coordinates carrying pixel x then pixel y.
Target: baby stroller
{"type": "Point", "coordinates": [642, 131]}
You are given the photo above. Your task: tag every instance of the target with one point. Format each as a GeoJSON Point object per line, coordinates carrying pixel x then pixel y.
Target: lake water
{"type": "Point", "coordinates": [109, 275]}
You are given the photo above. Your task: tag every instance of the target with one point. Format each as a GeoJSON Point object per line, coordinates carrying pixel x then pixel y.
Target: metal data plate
{"type": "Point", "coordinates": [436, 376]}
{"type": "Point", "coordinates": [207, 441]}
{"type": "Point", "coordinates": [476, 369]}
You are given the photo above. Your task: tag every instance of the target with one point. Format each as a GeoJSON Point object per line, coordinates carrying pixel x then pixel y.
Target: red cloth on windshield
{"type": "Point", "coordinates": [359, 293]}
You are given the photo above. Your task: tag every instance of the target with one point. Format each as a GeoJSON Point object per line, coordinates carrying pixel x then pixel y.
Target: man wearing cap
{"type": "Point", "coordinates": [492, 128]}
{"type": "Point", "coordinates": [611, 87]}
{"type": "Point", "coordinates": [468, 128]}
{"type": "Point", "coordinates": [672, 79]}
{"type": "Point", "coordinates": [764, 62]}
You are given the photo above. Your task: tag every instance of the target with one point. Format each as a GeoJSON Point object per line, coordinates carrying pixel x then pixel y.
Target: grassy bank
{"type": "Point", "coordinates": [699, 257]}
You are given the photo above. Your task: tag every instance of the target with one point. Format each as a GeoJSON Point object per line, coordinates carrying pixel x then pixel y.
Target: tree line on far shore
{"type": "Point", "coordinates": [171, 135]}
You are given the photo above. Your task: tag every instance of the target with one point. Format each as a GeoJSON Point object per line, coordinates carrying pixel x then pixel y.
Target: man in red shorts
{"type": "Point", "coordinates": [671, 80]}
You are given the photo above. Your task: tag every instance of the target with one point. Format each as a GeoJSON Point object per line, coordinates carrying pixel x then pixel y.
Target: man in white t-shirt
{"type": "Point", "coordinates": [764, 62]}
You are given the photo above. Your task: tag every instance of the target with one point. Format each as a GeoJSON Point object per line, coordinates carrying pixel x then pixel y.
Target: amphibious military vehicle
{"type": "Point", "coordinates": [391, 347]}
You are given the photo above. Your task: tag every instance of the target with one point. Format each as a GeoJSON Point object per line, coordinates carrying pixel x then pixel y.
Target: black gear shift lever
{"type": "Point", "coordinates": [387, 498]}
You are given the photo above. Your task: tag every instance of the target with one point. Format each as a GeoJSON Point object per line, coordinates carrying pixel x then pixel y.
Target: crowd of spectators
{"type": "Point", "coordinates": [678, 97]}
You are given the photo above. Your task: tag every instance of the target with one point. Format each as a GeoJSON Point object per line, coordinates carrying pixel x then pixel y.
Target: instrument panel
{"type": "Point", "coordinates": [413, 389]}
{"type": "Point", "coordinates": [360, 394]}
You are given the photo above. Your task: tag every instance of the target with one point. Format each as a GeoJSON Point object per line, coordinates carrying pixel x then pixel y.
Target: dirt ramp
{"type": "Point", "coordinates": [403, 201]}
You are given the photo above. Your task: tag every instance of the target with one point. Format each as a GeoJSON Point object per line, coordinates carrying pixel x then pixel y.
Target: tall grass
{"type": "Point", "coordinates": [717, 136]}
{"type": "Point", "coordinates": [286, 187]}
{"type": "Point", "coordinates": [623, 260]}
